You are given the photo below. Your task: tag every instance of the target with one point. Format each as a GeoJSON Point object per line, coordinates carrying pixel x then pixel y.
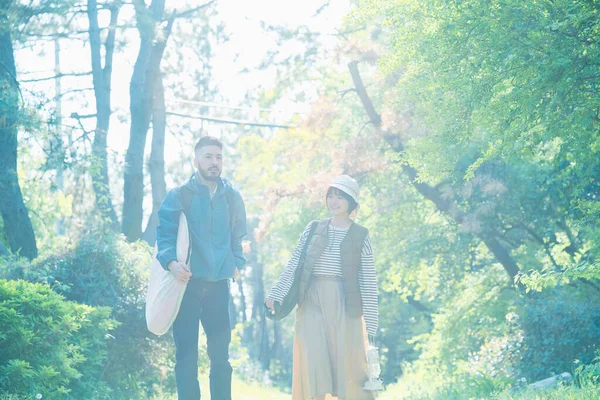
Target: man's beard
{"type": "Point", "coordinates": [209, 176]}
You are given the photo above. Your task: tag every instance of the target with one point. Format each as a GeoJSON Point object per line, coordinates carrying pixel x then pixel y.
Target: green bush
{"type": "Point", "coordinates": [588, 374]}
{"type": "Point", "coordinates": [498, 346]}
{"type": "Point", "coordinates": [104, 270]}
{"type": "Point", "coordinates": [560, 326]}
{"type": "Point", "coordinates": [51, 346]}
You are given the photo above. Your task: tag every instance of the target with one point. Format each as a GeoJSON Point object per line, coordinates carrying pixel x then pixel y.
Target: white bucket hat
{"type": "Point", "coordinates": [347, 185]}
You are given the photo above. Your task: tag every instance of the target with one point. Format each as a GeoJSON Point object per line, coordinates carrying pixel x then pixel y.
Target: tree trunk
{"type": "Point", "coordinates": [141, 92]}
{"type": "Point", "coordinates": [102, 88]}
{"type": "Point", "coordinates": [56, 141]}
{"type": "Point", "coordinates": [156, 165]}
{"type": "Point", "coordinates": [17, 225]}
{"type": "Point", "coordinates": [446, 206]}
{"type": "Point", "coordinates": [277, 347]}
{"type": "Point", "coordinates": [258, 314]}
{"type": "Point", "coordinates": [259, 291]}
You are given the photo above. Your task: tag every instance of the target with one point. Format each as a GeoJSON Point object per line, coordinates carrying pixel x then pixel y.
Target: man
{"type": "Point", "coordinates": [217, 222]}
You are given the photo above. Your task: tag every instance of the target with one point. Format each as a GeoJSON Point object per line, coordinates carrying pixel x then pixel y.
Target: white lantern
{"type": "Point", "coordinates": [373, 370]}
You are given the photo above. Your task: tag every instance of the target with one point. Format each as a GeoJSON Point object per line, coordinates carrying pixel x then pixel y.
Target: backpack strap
{"type": "Point", "coordinates": [230, 207]}
{"type": "Point", "coordinates": [186, 200]}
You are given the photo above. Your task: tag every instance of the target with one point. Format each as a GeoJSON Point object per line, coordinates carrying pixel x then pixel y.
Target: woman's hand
{"type": "Point", "coordinates": [270, 303]}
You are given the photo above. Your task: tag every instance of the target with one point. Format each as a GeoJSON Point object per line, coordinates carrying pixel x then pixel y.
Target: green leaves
{"type": "Point", "coordinates": [47, 342]}
{"type": "Point", "coordinates": [510, 135]}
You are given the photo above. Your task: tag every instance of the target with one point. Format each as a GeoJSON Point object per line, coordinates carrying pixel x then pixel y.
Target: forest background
{"type": "Point", "coordinates": [472, 127]}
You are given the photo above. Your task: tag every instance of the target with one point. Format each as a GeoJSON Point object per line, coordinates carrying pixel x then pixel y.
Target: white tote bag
{"type": "Point", "coordinates": [164, 291]}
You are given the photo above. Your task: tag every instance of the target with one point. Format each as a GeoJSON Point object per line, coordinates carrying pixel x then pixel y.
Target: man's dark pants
{"type": "Point", "coordinates": [208, 303]}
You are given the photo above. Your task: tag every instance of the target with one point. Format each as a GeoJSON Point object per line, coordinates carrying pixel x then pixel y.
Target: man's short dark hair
{"type": "Point", "coordinates": [208, 141]}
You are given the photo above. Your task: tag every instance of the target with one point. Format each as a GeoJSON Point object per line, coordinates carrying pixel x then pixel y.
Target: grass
{"type": "Point", "coordinates": [255, 391]}
{"type": "Point", "coordinates": [559, 393]}
{"type": "Point", "coordinates": [589, 392]}
{"type": "Point", "coordinates": [240, 391]}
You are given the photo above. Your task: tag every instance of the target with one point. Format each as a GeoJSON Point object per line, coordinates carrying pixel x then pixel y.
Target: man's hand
{"type": "Point", "coordinates": [236, 274]}
{"type": "Point", "coordinates": [181, 271]}
{"type": "Point", "coordinates": [271, 304]}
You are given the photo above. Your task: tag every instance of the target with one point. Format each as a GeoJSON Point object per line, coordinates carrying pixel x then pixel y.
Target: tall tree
{"type": "Point", "coordinates": [141, 92]}
{"type": "Point", "coordinates": [145, 85]}
{"type": "Point", "coordinates": [56, 141]}
{"type": "Point", "coordinates": [156, 164]}
{"type": "Point", "coordinates": [17, 225]}
{"type": "Point", "coordinates": [102, 76]}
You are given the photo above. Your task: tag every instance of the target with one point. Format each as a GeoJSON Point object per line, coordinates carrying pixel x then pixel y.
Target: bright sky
{"type": "Point", "coordinates": [242, 19]}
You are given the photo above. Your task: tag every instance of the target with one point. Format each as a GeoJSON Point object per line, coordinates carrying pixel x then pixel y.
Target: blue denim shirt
{"type": "Point", "coordinates": [216, 244]}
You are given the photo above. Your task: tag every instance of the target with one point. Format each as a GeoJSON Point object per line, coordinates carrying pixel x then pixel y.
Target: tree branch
{"type": "Point", "coordinates": [573, 242]}
{"type": "Point", "coordinates": [63, 94]}
{"type": "Point", "coordinates": [187, 13]}
{"type": "Point", "coordinates": [48, 78]}
{"type": "Point", "coordinates": [232, 121]}
{"type": "Point", "coordinates": [85, 116]}
{"type": "Point", "coordinates": [345, 92]}
{"type": "Point", "coordinates": [444, 205]}
{"type": "Point", "coordinates": [321, 8]}
{"type": "Point", "coordinates": [418, 305]}
{"type": "Point", "coordinates": [109, 44]}
{"type": "Point", "coordinates": [363, 95]}
{"type": "Point", "coordinates": [545, 245]}
{"type": "Point", "coordinates": [86, 133]}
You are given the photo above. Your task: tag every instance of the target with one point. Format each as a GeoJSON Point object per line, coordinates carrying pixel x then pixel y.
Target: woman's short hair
{"type": "Point", "coordinates": [352, 204]}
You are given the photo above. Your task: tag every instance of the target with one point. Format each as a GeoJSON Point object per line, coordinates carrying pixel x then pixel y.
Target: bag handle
{"type": "Point", "coordinates": [299, 267]}
{"type": "Point", "coordinates": [313, 226]}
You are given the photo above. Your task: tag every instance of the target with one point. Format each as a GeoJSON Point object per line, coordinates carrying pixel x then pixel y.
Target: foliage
{"type": "Point", "coordinates": [472, 353]}
{"type": "Point", "coordinates": [510, 76]}
{"type": "Point", "coordinates": [50, 207]}
{"type": "Point", "coordinates": [559, 326]}
{"type": "Point", "coordinates": [588, 374]}
{"type": "Point", "coordinates": [496, 106]}
{"type": "Point", "coordinates": [586, 389]}
{"type": "Point", "coordinates": [51, 346]}
{"type": "Point", "coordinates": [103, 270]}
{"type": "Point", "coordinates": [493, 104]}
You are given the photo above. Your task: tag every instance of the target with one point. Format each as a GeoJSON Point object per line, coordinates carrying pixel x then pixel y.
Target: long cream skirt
{"type": "Point", "coordinates": [329, 347]}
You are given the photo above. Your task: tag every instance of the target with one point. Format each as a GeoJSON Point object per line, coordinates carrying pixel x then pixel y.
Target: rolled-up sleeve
{"type": "Point", "coordinates": [168, 224]}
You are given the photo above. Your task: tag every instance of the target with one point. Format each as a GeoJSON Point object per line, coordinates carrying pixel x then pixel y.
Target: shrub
{"type": "Point", "coordinates": [588, 374]}
{"type": "Point", "coordinates": [560, 326]}
{"type": "Point", "coordinates": [51, 346]}
{"type": "Point", "coordinates": [104, 270]}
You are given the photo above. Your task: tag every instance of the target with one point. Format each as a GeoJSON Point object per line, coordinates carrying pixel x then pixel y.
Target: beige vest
{"type": "Point", "coordinates": [350, 250]}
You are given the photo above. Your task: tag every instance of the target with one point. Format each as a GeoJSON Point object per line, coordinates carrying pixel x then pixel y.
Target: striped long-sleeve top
{"type": "Point", "coordinates": [330, 264]}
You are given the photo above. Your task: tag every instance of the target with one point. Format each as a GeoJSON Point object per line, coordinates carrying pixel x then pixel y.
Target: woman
{"type": "Point", "coordinates": [338, 286]}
